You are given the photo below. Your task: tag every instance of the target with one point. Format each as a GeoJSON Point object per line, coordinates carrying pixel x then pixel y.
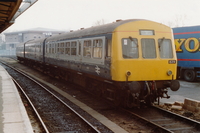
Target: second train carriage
{"type": "Point", "coordinates": [128, 62]}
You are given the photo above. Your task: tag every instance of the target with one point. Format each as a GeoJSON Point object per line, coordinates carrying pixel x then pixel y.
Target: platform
{"type": "Point", "coordinates": [14, 118]}
{"type": "Point", "coordinates": [189, 90]}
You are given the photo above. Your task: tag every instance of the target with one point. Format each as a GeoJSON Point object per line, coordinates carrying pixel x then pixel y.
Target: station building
{"type": "Point", "coordinates": [14, 38]}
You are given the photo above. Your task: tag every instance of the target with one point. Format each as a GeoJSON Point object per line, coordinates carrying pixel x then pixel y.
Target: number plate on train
{"type": "Point", "coordinates": [172, 62]}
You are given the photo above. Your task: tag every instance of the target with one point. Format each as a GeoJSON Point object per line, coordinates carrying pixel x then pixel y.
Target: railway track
{"type": "Point", "coordinates": [42, 127]}
{"type": "Point", "coordinates": [161, 121]}
{"type": "Point", "coordinates": [165, 121]}
{"type": "Point", "coordinates": [55, 114]}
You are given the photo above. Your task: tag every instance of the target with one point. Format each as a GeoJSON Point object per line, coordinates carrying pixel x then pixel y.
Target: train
{"type": "Point", "coordinates": [188, 52]}
{"type": "Point", "coordinates": [128, 62]}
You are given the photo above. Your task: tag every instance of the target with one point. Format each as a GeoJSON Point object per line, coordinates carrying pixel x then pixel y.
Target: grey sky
{"type": "Point", "coordinates": [75, 14]}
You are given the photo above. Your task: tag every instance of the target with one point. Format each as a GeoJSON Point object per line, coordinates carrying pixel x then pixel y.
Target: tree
{"type": "Point", "coordinates": [179, 21]}
{"type": "Point", "coordinates": [99, 22]}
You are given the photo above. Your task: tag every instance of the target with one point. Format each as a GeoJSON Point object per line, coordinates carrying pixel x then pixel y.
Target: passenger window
{"type": "Point", "coordinates": [58, 48]}
{"type": "Point", "coordinates": [148, 48]}
{"type": "Point", "coordinates": [49, 48]}
{"type": "Point", "coordinates": [73, 48]}
{"type": "Point", "coordinates": [36, 48]}
{"type": "Point", "coordinates": [39, 46]}
{"type": "Point", "coordinates": [67, 48]}
{"type": "Point", "coordinates": [62, 48]}
{"type": "Point", "coordinates": [165, 48]}
{"type": "Point", "coordinates": [130, 48]}
{"type": "Point", "coordinates": [52, 49]}
{"type": "Point", "coordinates": [97, 48]}
{"type": "Point", "coordinates": [87, 48]}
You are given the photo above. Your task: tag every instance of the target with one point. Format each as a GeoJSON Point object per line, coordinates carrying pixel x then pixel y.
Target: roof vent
{"type": "Point", "coordinates": [118, 20]}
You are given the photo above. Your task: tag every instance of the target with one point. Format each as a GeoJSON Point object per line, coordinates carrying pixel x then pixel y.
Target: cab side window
{"type": "Point", "coordinates": [108, 53]}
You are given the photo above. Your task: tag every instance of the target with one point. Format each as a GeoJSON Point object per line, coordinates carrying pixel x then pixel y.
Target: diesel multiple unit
{"type": "Point", "coordinates": [127, 62]}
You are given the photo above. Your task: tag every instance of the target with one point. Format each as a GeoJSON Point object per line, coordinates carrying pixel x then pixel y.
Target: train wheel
{"type": "Point", "coordinates": [189, 75]}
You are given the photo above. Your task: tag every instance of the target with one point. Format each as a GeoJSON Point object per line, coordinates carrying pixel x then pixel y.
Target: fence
{"type": "Point", "coordinates": [7, 52]}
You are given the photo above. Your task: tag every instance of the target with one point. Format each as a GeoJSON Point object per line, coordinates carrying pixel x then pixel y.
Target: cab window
{"type": "Point", "coordinates": [165, 48]}
{"type": "Point", "coordinates": [148, 48]}
{"type": "Point", "coordinates": [130, 48]}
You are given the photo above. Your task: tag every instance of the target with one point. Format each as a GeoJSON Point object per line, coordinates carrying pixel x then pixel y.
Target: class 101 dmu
{"type": "Point", "coordinates": [128, 62]}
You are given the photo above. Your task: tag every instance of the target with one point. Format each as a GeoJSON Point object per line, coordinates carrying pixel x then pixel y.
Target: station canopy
{"type": "Point", "coordinates": [10, 10]}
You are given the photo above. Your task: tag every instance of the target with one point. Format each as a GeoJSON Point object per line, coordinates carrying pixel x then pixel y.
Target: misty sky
{"type": "Point", "coordinates": [76, 14]}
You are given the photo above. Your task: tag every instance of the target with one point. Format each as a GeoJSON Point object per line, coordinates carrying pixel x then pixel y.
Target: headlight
{"type": "Point", "coordinates": [169, 72]}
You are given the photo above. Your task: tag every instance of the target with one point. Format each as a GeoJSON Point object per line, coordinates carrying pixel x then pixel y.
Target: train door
{"type": "Point", "coordinates": [79, 56]}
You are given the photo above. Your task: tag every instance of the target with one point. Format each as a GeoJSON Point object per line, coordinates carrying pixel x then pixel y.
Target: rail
{"type": "Point", "coordinates": [93, 128]}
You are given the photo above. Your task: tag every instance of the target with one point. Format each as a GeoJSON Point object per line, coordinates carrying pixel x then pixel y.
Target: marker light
{"type": "Point", "coordinates": [169, 72]}
{"type": "Point", "coordinates": [128, 73]}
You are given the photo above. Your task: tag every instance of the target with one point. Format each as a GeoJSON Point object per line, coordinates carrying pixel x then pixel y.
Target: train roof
{"type": "Point", "coordinates": [32, 41]}
{"type": "Point", "coordinates": [97, 30]}
{"type": "Point", "coordinates": [186, 29]}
